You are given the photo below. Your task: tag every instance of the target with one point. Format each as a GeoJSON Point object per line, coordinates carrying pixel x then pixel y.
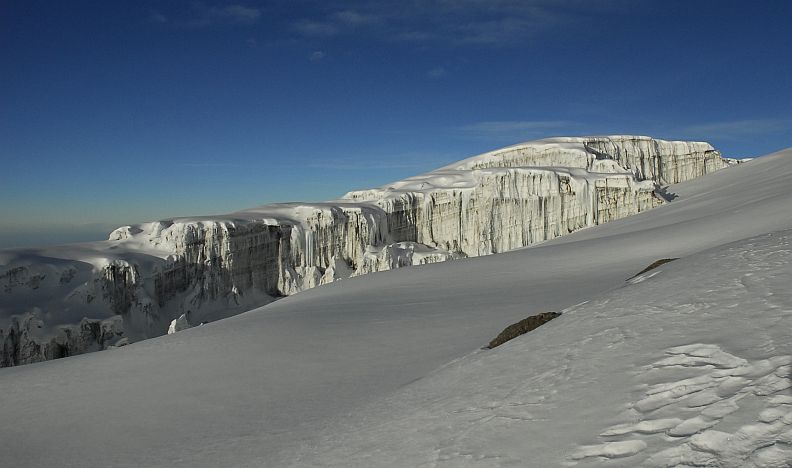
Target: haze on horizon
{"type": "Point", "coordinates": [119, 112]}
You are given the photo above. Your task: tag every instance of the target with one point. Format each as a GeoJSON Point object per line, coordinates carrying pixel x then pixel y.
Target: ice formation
{"type": "Point", "coordinates": [150, 278]}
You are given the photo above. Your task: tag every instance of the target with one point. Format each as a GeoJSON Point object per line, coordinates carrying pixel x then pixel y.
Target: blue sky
{"type": "Point", "coordinates": [114, 112]}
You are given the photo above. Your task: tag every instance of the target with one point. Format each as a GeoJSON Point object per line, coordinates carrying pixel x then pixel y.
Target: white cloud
{"type": "Point", "coordinates": [355, 18]}
{"type": "Point", "coordinates": [419, 161]}
{"type": "Point", "coordinates": [157, 17]}
{"type": "Point", "coordinates": [317, 56]}
{"type": "Point", "coordinates": [437, 72]}
{"type": "Point", "coordinates": [512, 131]}
{"type": "Point", "coordinates": [736, 129]}
{"type": "Point", "coordinates": [339, 22]}
{"type": "Point", "coordinates": [208, 165]}
{"type": "Point", "coordinates": [202, 15]}
{"type": "Point", "coordinates": [238, 13]}
{"type": "Point", "coordinates": [459, 22]}
{"type": "Point", "coordinates": [502, 126]}
{"type": "Point", "coordinates": [316, 28]}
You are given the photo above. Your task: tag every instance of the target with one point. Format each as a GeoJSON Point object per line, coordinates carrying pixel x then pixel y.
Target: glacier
{"type": "Point", "coordinates": [387, 370]}
{"type": "Point", "coordinates": [152, 278]}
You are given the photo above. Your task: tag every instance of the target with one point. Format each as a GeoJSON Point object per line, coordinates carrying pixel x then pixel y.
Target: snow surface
{"type": "Point", "coordinates": [692, 367]}
{"type": "Point", "coordinates": [67, 300]}
{"type": "Point", "coordinates": [689, 366]}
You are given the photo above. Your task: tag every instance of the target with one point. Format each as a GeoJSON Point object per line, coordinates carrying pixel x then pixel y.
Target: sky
{"type": "Point", "coordinates": [118, 112]}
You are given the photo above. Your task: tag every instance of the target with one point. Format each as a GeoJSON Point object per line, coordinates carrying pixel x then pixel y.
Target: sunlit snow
{"type": "Point", "coordinates": [688, 367]}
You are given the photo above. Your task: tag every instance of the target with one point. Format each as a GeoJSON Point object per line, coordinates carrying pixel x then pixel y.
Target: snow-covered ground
{"type": "Point", "coordinates": [689, 364]}
{"type": "Point", "coordinates": [685, 365]}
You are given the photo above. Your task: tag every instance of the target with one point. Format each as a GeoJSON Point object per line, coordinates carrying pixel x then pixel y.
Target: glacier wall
{"type": "Point", "coordinates": [172, 274]}
{"type": "Point", "coordinates": [665, 162]}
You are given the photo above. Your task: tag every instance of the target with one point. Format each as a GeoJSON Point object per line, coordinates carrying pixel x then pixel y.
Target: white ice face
{"type": "Point", "coordinates": [206, 268]}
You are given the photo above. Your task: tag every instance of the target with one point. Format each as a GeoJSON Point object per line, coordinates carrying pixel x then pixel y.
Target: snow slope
{"type": "Point", "coordinates": [65, 300]}
{"type": "Point", "coordinates": [338, 372]}
{"type": "Point", "coordinates": [686, 365]}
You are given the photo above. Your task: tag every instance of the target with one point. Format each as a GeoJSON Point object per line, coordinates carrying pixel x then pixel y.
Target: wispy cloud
{"type": "Point", "coordinates": [347, 165]}
{"type": "Point", "coordinates": [335, 23]}
{"type": "Point", "coordinates": [504, 30]}
{"type": "Point", "coordinates": [201, 15]}
{"type": "Point", "coordinates": [231, 14]}
{"type": "Point", "coordinates": [513, 130]}
{"type": "Point", "coordinates": [201, 165]}
{"type": "Point", "coordinates": [437, 73]}
{"type": "Point", "coordinates": [316, 28]}
{"type": "Point", "coordinates": [414, 161]}
{"type": "Point", "coordinates": [355, 18]}
{"type": "Point", "coordinates": [738, 129]}
{"type": "Point", "coordinates": [317, 56]}
{"type": "Point", "coordinates": [461, 22]}
{"type": "Point", "coordinates": [157, 17]}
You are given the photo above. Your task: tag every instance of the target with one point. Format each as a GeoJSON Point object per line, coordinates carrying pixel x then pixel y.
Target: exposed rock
{"type": "Point", "coordinates": [654, 265]}
{"type": "Point", "coordinates": [522, 327]}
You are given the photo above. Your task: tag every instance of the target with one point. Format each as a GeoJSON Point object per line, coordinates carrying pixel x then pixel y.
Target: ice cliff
{"type": "Point", "coordinates": [150, 278]}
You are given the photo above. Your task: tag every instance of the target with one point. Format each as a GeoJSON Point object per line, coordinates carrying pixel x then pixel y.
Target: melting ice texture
{"type": "Point", "coordinates": [60, 301]}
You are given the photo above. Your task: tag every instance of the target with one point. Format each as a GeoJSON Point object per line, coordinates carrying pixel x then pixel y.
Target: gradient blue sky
{"type": "Point", "coordinates": [114, 112]}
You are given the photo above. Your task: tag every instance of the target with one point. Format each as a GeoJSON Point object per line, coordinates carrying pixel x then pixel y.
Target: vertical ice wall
{"type": "Point", "coordinates": [201, 269]}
